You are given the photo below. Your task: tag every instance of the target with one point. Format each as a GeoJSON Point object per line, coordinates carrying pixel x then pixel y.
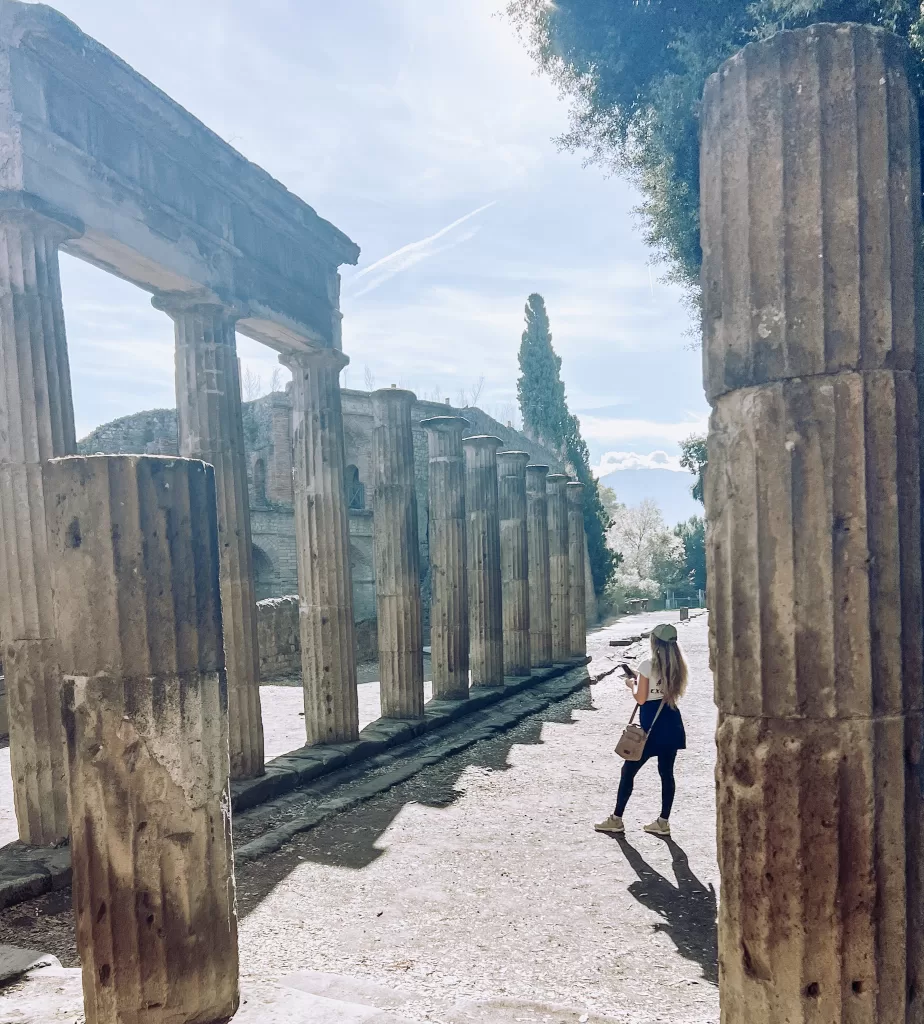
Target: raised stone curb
{"type": "Point", "coordinates": [27, 872]}
{"type": "Point", "coordinates": [481, 727]}
{"type": "Point", "coordinates": [298, 767]}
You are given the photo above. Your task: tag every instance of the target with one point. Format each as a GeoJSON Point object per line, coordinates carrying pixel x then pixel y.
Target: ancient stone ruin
{"type": "Point", "coordinates": [132, 613]}
{"type": "Point", "coordinates": [811, 229]}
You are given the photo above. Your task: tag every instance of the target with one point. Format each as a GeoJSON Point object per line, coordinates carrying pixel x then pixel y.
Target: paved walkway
{"type": "Point", "coordinates": [477, 890]}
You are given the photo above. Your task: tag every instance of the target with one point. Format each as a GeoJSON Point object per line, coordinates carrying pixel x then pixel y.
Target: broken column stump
{"type": "Point", "coordinates": [133, 546]}
{"type": "Point", "coordinates": [448, 587]}
{"type": "Point", "coordinates": [811, 226]}
{"type": "Point", "coordinates": [514, 547]}
{"type": "Point", "coordinates": [482, 540]}
{"type": "Point", "coordinates": [397, 555]}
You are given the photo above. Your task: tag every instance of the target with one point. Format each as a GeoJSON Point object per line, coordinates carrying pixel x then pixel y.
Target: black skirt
{"type": "Point", "coordinates": [667, 734]}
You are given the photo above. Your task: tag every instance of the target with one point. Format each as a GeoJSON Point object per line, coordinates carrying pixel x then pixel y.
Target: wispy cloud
{"type": "Point", "coordinates": [615, 462]}
{"type": "Point", "coordinates": [414, 252]}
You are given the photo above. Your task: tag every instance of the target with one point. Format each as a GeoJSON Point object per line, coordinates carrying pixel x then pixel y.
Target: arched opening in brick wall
{"type": "Point", "coordinates": [264, 575]}
{"type": "Point", "coordinates": [259, 481]}
{"type": "Point", "coordinates": [355, 489]}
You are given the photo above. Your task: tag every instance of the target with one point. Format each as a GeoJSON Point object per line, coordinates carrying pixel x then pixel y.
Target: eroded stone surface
{"type": "Point", "coordinates": [812, 496]}
{"type": "Point", "coordinates": [540, 607]}
{"type": "Point", "coordinates": [448, 587]}
{"type": "Point", "coordinates": [133, 545]}
{"type": "Point", "coordinates": [577, 590]}
{"type": "Point", "coordinates": [559, 565]}
{"type": "Point", "coordinates": [511, 484]}
{"type": "Point", "coordinates": [486, 632]}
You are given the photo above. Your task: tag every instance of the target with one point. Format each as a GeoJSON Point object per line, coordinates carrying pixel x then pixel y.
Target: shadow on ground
{"type": "Point", "coordinates": [688, 908]}
{"type": "Point", "coordinates": [350, 839]}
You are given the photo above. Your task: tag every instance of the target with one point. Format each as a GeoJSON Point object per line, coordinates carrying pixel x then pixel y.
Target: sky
{"type": "Point", "coordinates": [422, 131]}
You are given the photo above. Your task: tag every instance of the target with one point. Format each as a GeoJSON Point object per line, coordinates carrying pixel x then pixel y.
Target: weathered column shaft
{"type": "Point", "coordinates": [397, 555]}
{"type": "Point", "coordinates": [36, 424]}
{"type": "Point", "coordinates": [209, 416]}
{"type": "Point", "coordinates": [482, 539]}
{"type": "Point", "coordinates": [322, 538]}
{"type": "Point", "coordinates": [448, 589]}
{"type": "Point", "coordinates": [559, 566]}
{"type": "Point", "coordinates": [811, 230]}
{"type": "Point", "coordinates": [576, 555]}
{"type": "Point", "coordinates": [514, 547]}
{"type": "Point", "coordinates": [133, 544]}
{"type": "Point", "coordinates": [540, 598]}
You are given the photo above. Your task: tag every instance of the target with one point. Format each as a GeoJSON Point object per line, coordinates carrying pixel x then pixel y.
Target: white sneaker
{"type": "Point", "coordinates": [659, 827]}
{"type": "Point", "coordinates": [612, 825]}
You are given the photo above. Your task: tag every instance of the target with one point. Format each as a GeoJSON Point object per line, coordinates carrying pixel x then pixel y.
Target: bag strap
{"type": "Point", "coordinates": [634, 711]}
{"type": "Point", "coordinates": [658, 712]}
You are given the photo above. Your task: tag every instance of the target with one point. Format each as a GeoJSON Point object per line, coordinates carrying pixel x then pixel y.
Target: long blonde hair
{"type": "Point", "coordinates": [670, 667]}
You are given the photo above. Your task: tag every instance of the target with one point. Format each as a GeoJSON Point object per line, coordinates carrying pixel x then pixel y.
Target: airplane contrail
{"type": "Point", "coordinates": [413, 252]}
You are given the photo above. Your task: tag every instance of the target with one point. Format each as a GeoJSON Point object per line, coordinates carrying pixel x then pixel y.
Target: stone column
{"type": "Point", "coordinates": [397, 555]}
{"type": "Point", "coordinates": [322, 539]}
{"type": "Point", "coordinates": [482, 539]}
{"type": "Point", "coordinates": [576, 554]}
{"type": "Point", "coordinates": [811, 230]}
{"type": "Point", "coordinates": [133, 544]}
{"type": "Point", "coordinates": [36, 424]}
{"type": "Point", "coordinates": [559, 566]}
{"type": "Point", "coordinates": [448, 593]}
{"type": "Point", "coordinates": [514, 546]}
{"type": "Point", "coordinates": [208, 405]}
{"type": "Point", "coordinates": [540, 598]}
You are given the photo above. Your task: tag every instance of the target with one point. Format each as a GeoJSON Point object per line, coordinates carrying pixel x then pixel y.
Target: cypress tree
{"type": "Point", "coordinates": [544, 408]}
{"type": "Point", "coordinates": [540, 388]}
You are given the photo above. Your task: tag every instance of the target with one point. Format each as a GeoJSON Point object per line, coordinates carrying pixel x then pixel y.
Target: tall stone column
{"type": "Point", "coordinates": [514, 546]}
{"type": "Point", "coordinates": [482, 540]}
{"type": "Point", "coordinates": [540, 597]}
{"type": "Point", "coordinates": [576, 555]}
{"type": "Point", "coordinates": [134, 551]}
{"type": "Point", "coordinates": [559, 566]}
{"type": "Point", "coordinates": [36, 424]}
{"type": "Point", "coordinates": [811, 231]}
{"type": "Point", "coordinates": [208, 405]}
{"type": "Point", "coordinates": [397, 555]}
{"type": "Point", "coordinates": [449, 589]}
{"type": "Point", "coordinates": [322, 539]}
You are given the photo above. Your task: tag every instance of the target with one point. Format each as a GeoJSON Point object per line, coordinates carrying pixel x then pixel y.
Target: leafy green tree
{"type": "Point", "coordinates": [692, 534]}
{"type": "Point", "coordinates": [635, 71]}
{"type": "Point", "coordinates": [546, 417]}
{"type": "Point", "coordinates": [694, 456]}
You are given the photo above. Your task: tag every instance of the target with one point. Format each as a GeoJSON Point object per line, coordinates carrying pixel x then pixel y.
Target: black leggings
{"type": "Point", "coordinates": [668, 787]}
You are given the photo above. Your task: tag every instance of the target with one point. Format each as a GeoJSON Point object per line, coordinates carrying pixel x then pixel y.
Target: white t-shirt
{"type": "Point", "coordinates": [655, 690]}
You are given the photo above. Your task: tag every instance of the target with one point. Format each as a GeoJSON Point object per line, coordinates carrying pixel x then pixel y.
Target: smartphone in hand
{"type": "Point", "coordinates": [625, 671]}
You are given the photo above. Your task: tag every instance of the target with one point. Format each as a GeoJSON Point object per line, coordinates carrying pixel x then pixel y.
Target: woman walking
{"type": "Point", "coordinates": [657, 686]}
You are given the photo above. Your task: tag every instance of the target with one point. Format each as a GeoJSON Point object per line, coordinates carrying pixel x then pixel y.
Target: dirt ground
{"type": "Point", "coordinates": [478, 891]}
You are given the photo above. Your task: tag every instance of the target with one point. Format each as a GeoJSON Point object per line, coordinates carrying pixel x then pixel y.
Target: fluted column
{"type": "Point", "coordinates": [397, 555]}
{"type": "Point", "coordinates": [133, 544]}
{"type": "Point", "coordinates": [559, 566]}
{"type": "Point", "coordinates": [540, 598]}
{"type": "Point", "coordinates": [448, 589]}
{"type": "Point", "coordinates": [576, 555]}
{"type": "Point", "coordinates": [811, 231]}
{"type": "Point", "coordinates": [36, 424]}
{"type": "Point", "coordinates": [322, 540]}
{"type": "Point", "coordinates": [482, 539]}
{"type": "Point", "coordinates": [208, 405]}
{"type": "Point", "coordinates": [514, 546]}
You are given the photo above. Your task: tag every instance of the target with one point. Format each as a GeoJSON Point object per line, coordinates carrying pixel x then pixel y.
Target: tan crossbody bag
{"type": "Point", "coordinates": [631, 744]}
